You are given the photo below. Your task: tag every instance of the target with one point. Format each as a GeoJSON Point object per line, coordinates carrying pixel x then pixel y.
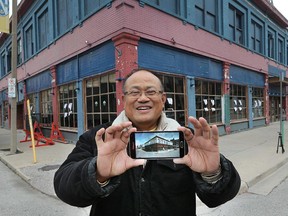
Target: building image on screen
{"type": "Point", "coordinates": [157, 145]}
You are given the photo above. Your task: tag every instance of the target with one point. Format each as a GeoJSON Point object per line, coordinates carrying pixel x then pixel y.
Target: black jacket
{"type": "Point", "coordinates": [161, 188]}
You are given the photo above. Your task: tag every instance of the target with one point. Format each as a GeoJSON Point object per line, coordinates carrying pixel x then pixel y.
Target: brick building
{"type": "Point", "coordinates": [220, 59]}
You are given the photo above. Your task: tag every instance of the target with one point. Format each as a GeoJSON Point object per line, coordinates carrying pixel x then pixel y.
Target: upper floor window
{"type": "Point", "coordinates": [238, 102]}
{"type": "Point", "coordinates": [175, 105]}
{"type": "Point", "coordinates": [271, 45]}
{"type": "Point", "coordinates": [19, 51]}
{"type": "Point", "coordinates": [9, 59]}
{"type": "Point", "coordinates": [65, 15]}
{"type": "Point", "coordinates": [3, 64]}
{"type": "Point", "coordinates": [206, 14]}
{"type": "Point", "coordinates": [236, 25]}
{"type": "Point", "coordinates": [92, 5]}
{"type": "Point", "coordinates": [100, 100]}
{"type": "Point", "coordinates": [171, 6]}
{"type": "Point", "coordinates": [43, 29]}
{"type": "Point", "coordinates": [256, 39]}
{"type": "Point", "coordinates": [281, 50]}
{"type": "Point", "coordinates": [29, 42]}
{"type": "Point", "coordinates": [287, 53]}
{"type": "Point", "coordinates": [208, 100]}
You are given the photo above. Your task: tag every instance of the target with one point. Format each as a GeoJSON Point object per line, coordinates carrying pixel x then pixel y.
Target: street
{"type": "Point", "coordinates": [18, 198]}
{"type": "Point", "coordinates": [251, 204]}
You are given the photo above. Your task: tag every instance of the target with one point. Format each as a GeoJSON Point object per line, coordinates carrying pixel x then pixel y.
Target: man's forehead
{"type": "Point", "coordinates": [142, 77]}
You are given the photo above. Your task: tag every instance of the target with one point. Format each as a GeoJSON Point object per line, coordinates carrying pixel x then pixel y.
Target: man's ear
{"type": "Point", "coordinates": [164, 98]}
{"type": "Point", "coordinates": [123, 99]}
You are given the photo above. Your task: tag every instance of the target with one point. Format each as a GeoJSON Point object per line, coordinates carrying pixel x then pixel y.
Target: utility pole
{"type": "Point", "coordinates": [13, 100]}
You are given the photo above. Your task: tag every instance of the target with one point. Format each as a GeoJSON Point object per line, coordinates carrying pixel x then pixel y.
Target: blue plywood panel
{"type": "Point", "coordinates": [38, 82]}
{"type": "Point", "coordinates": [67, 71]}
{"type": "Point", "coordinates": [274, 71]}
{"type": "Point", "coordinates": [163, 58]}
{"type": "Point", "coordinates": [244, 76]}
{"type": "Point", "coordinates": [95, 61]}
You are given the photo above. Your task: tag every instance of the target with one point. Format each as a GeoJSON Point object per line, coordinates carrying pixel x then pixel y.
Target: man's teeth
{"type": "Point", "coordinates": [143, 108]}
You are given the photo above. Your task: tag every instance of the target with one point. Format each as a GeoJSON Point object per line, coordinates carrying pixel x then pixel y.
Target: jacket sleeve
{"type": "Point", "coordinates": [223, 190]}
{"type": "Point", "coordinates": [75, 180]}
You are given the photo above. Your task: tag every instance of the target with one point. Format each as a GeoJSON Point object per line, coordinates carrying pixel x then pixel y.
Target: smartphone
{"type": "Point", "coordinates": [156, 145]}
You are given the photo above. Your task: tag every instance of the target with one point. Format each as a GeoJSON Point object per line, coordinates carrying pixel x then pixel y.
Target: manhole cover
{"type": "Point", "coordinates": [49, 167]}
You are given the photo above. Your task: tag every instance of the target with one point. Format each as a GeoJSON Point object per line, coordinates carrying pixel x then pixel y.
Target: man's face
{"type": "Point", "coordinates": [143, 100]}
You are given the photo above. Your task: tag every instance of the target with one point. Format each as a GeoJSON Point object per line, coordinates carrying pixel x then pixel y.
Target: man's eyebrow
{"type": "Point", "coordinates": [138, 87]}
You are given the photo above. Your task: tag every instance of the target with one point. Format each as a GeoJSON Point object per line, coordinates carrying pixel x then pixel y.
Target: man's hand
{"type": "Point", "coordinates": [112, 159]}
{"type": "Point", "coordinates": [203, 151]}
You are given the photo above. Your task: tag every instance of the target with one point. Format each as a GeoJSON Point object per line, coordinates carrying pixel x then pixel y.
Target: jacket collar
{"type": "Point", "coordinates": [162, 125]}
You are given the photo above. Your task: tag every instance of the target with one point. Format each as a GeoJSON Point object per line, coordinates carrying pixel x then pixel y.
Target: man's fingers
{"type": "Point", "coordinates": [99, 134]}
{"type": "Point", "coordinates": [205, 128]}
{"type": "Point", "coordinates": [115, 131]}
{"type": "Point", "coordinates": [197, 126]}
{"type": "Point", "coordinates": [215, 134]}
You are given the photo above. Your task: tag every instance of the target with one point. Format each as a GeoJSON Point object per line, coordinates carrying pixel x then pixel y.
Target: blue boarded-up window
{"type": "Point", "coordinates": [97, 60]}
{"type": "Point", "coordinates": [67, 71]}
{"type": "Point", "coordinates": [246, 77]}
{"type": "Point", "coordinates": [38, 82]}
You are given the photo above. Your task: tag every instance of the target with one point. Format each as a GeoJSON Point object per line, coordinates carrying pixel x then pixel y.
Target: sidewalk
{"type": "Point", "coordinates": [253, 152]}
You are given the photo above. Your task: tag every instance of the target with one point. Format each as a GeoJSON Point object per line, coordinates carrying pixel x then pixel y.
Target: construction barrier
{"type": "Point", "coordinates": [38, 135]}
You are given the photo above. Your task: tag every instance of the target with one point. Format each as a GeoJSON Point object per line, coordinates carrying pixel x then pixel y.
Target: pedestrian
{"type": "Point", "coordinates": [100, 173]}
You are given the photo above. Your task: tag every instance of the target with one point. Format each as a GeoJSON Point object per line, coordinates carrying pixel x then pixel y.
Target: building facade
{"type": "Point", "coordinates": [224, 60]}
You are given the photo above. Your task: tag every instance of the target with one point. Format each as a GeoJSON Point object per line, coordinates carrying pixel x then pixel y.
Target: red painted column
{"type": "Point", "coordinates": [266, 98]}
{"type": "Point", "coordinates": [226, 92]}
{"type": "Point", "coordinates": [126, 56]}
{"type": "Point", "coordinates": [54, 96]}
{"type": "Point", "coordinates": [25, 107]}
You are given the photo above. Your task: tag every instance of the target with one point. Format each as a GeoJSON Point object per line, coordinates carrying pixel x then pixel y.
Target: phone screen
{"type": "Point", "coordinates": [157, 145]}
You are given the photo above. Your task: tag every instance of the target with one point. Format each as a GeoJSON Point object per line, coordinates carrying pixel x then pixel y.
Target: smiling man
{"type": "Point", "coordinates": [100, 173]}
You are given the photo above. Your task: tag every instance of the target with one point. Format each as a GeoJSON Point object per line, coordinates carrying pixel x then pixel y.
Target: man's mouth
{"type": "Point", "coordinates": [143, 108]}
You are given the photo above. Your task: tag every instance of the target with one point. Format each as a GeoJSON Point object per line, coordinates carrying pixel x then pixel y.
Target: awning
{"type": "Point", "coordinates": [276, 80]}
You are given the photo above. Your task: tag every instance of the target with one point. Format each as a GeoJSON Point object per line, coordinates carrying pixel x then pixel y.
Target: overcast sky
{"type": "Point", "coordinates": [282, 6]}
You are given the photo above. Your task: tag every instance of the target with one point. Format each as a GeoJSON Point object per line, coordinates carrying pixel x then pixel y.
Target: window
{"type": "Point", "coordinates": [32, 102]}
{"type": "Point", "coordinates": [43, 29]}
{"type": "Point", "coordinates": [46, 108]}
{"type": "Point", "coordinates": [3, 64]}
{"type": "Point", "coordinates": [271, 44]}
{"type": "Point", "coordinates": [257, 102]}
{"type": "Point", "coordinates": [100, 100]}
{"type": "Point", "coordinates": [68, 105]}
{"type": "Point", "coordinates": [256, 37]}
{"type": "Point", "coordinates": [281, 50]}
{"type": "Point", "coordinates": [29, 45]}
{"type": "Point", "coordinates": [65, 15]}
{"type": "Point", "coordinates": [9, 57]}
{"type": "Point", "coordinates": [175, 106]}
{"type": "Point", "coordinates": [206, 14]}
{"type": "Point", "coordinates": [92, 5]}
{"type": "Point", "coordinates": [238, 102]}
{"type": "Point", "coordinates": [171, 6]}
{"type": "Point", "coordinates": [208, 100]}
{"type": "Point", "coordinates": [19, 51]}
{"type": "Point", "coordinates": [236, 25]}
{"type": "Point", "coordinates": [35, 116]}
{"type": "Point", "coordinates": [287, 53]}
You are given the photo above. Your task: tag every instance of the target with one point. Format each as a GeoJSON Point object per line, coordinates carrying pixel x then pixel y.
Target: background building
{"type": "Point", "coordinates": [220, 59]}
